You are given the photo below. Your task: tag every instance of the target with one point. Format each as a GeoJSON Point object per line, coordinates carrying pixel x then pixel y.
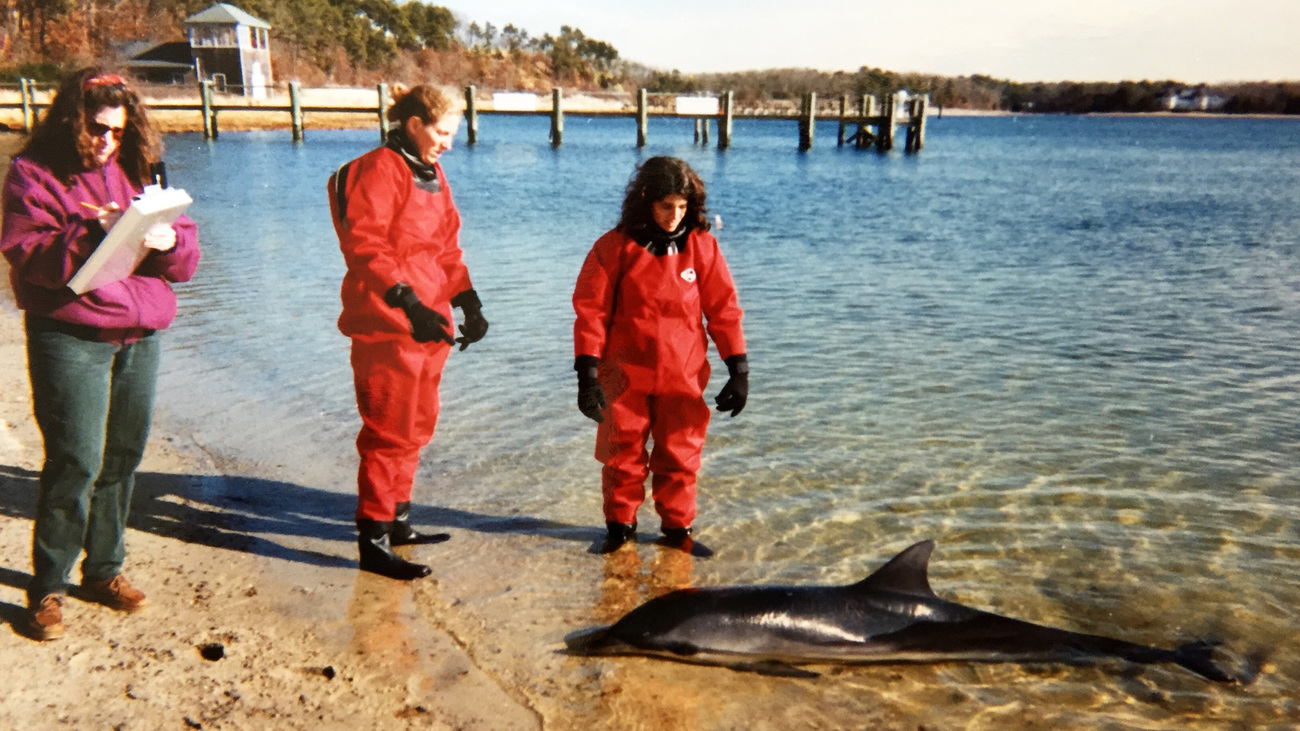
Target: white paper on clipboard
{"type": "Point", "coordinates": [123, 248]}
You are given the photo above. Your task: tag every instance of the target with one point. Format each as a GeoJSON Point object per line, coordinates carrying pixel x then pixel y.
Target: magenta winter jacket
{"type": "Point", "coordinates": [48, 234]}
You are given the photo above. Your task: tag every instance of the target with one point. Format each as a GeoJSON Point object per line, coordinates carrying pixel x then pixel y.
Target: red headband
{"type": "Point", "coordinates": [103, 80]}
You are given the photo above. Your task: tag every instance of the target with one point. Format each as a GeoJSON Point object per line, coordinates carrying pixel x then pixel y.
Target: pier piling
{"type": "Point", "coordinates": [295, 109]}
{"type": "Point", "coordinates": [557, 117]}
{"type": "Point", "coordinates": [724, 121]}
{"type": "Point", "coordinates": [808, 121]}
{"type": "Point", "coordinates": [471, 115]}
{"type": "Point", "coordinates": [642, 118]}
{"type": "Point", "coordinates": [28, 93]}
{"type": "Point", "coordinates": [209, 111]}
{"type": "Point", "coordinates": [382, 90]}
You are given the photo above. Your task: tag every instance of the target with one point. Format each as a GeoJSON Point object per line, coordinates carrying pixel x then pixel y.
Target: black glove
{"type": "Point", "coordinates": [475, 326]}
{"type": "Point", "coordinates": [591, 397]}
{"type": "Point", "coordinates": [426, 325]}
{"type": "Point", "coordinates": [735, 393]}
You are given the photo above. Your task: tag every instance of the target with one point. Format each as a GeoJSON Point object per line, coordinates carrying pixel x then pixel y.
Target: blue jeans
{"type": "Point", "coordinates": [93, 403]}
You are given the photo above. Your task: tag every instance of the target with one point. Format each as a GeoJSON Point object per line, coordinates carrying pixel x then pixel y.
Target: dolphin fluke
{"type": "Point", "coordinates": [1199, 658]}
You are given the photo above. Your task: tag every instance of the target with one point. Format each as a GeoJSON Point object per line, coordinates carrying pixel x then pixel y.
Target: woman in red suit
{"type": "Point", "coordinates": [642, 301]}
{"type": "Point", "coordinates": [399, 232]}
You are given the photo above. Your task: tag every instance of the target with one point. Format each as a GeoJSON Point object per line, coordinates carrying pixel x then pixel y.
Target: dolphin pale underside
{"type": "Point", "coordinates": [891, 616]}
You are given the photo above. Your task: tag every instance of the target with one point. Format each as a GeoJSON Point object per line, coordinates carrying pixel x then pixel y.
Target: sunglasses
{"type": "Point", "coordinates": [99, 130]}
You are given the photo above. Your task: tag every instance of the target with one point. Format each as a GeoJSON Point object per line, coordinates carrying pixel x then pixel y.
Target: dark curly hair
{"type": "Point", "coordinates": [656, 179]}
{"type": "Point", "coordinates": [62, 143]}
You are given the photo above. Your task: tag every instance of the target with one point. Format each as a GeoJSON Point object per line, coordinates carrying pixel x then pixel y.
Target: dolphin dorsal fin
{"type": "Point", "coordinates": [906, 573]}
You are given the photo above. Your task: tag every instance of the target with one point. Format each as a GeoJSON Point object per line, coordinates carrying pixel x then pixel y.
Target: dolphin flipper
{"type": "Point", "coordinates": [774, 668]}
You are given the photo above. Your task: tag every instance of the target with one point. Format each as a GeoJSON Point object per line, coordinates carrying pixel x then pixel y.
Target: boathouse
{"type": "Point", "coordinates": [230, 48]}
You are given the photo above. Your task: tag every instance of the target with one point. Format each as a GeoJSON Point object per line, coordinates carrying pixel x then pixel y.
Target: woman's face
{"type": "Point", "coordinates": [107, 126]}
{"type": "Point", "coordinates": [431, 140]}
{"type": "Point", "coordinates": [669, 211]}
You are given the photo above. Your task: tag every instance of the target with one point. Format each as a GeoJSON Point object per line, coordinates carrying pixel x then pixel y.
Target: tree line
{"type": "Point", "coordinates": [365, 41]}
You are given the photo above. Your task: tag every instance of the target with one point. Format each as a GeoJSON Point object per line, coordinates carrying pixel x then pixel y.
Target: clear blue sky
{"type": "Point", "coordinates": [1024, 40]}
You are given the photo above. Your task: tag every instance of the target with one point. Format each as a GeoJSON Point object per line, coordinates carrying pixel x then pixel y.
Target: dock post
{"type": "Point", "coordinates": [206, 111]}
{"type": "Point", "coordinates": [209, 114]}
{"type": "Point", "coordinates": [642, 118]}
{"type": "Point", "coordinates": [909, 137]}
{"type": "Point", "coordinates": [844, 117]}
{"type": "Point", "coordinates": [557, 117]}
{"type": "Point", "coordinates": [868, 112]}
{"type": "Point", "coordinates": [295, 109]}
{"type": "Point", "coordinates": [28, 97]}
{"type": "Point", "coordinates": [921, 105]}
{"type": "Point", "coordinates": [724, 123]}
{"type": "Point", "coordinates": [808, 121]}
{"type": "Point", "coordinates": [697, 130]}
{"type": "Point", "coordinates": [704, 130]}
{"type": "Point", "coordinates": [382, 90]}
{"type": "Point", "coordinates": [471, 116]}
{"type": "Point", "coordinates": [885, 139]}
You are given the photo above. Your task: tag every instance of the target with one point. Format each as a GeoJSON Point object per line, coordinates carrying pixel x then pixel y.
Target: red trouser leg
{"type": "Point", "coordinates": [620, 446]}
{"type": "Point", "coordinates": [397, 394]}
{"type": "Point", "coordinates": [679, 424]}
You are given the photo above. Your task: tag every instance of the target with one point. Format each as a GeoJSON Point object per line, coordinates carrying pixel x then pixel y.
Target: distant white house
{"type": "Point", "coordinates": [1186, 99]}
{"type": "Point", "coordinates": [231, 48]}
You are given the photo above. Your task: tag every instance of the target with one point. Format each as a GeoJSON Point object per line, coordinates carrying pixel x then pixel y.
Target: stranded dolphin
{"type": "Point", "coordinates": [890, 616]}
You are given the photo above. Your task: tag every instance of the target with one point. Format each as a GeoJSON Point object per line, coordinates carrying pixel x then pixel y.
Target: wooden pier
{"type": "Point", "coordinates": [871, 123]}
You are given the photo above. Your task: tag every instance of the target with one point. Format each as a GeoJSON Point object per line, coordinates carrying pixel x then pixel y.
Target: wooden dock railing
{"type": "Point", "coordinates": [872, 123]}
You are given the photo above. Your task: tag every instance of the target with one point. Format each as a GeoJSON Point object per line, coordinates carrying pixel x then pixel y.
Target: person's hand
{"type": "Point", "coordinates": [426, 325]}
{"type": "Point", "coordinates": [473, 326]}
{"type": "Point", "coordinates": [735, 393]}
{"type": "Point", "coordinates": [591, 397]}
{"type": "Point", "coordinates": [109, 215]}
{"type": "Point", "coordinates": [160, 237]}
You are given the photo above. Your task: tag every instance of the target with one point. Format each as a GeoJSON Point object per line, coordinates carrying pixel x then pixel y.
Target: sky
{"type": "Point", "coordinates": [1192, 41]}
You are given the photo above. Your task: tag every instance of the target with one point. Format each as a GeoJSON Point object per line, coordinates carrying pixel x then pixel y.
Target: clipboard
{"type": "Point", "coordinates": [122, 249]}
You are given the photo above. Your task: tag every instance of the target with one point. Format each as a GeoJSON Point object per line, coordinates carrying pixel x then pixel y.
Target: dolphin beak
{"type": "Point", "coordinates": [591, 641]}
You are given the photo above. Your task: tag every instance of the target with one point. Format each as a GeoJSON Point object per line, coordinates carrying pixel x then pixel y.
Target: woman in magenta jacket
{"type": "Point", "coordinates": [93, 357]}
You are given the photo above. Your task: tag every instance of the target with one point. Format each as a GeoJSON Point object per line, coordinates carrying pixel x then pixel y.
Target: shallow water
{"type": "Point", "coordinates": [1064, 348]}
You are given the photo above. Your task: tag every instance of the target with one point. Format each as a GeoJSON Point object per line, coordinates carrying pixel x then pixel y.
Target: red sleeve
{"type": "Point", "coordinates": [593, 297]}
{"type": "Point", "coordinates": [718, 298]}
{"type": "Point", "coordinates": [377, 186]}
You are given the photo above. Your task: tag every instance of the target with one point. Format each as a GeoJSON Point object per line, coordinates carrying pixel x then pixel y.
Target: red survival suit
{"type": "Point", "coordinates": [642, 316]}
{"type": "Point", "coordinates": [390, 231]}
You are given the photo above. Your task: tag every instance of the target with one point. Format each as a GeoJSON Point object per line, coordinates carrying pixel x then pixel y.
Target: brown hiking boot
{"type": "Point", "coordinates": [115, 593]}
{"type": "Point", "coordinates": [45, 619]}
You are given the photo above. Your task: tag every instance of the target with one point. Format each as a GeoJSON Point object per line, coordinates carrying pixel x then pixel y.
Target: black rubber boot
{"type": "Point", "coordinates": [616, 534]}
{"type": "Point", "coordinates": [682, 540]}
{"type": "Point", "coordinates": [377, 555]}
{"type": "Point", "coordinates": [404, 535]}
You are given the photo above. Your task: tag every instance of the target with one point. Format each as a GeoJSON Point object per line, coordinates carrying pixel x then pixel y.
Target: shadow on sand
{"type": "Point", "coordinates": [248, 514]}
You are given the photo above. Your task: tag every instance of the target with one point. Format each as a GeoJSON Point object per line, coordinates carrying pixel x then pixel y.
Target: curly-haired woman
{"type": "Point", "coordinates": [92, 357]}
{"type": "Point", "coordinates": [642, 298]}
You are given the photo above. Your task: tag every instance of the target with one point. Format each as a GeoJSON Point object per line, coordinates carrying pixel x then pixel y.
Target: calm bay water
{"type": "Point", "coordinates": [1065, 348]}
